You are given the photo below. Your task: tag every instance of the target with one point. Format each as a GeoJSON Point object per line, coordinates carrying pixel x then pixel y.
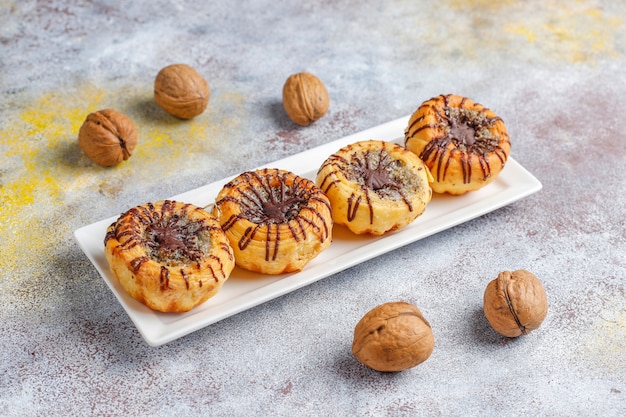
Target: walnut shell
{"type": "Point", "coordinates": [107, 137]}
{"type": "Point", "coordinates": [515, 303]}
{"type": "Point", "coordinates": [305, 98]}
{"type": "Point", "coordinates": [393, 337]}
{"type": "Point", "coordinates": [181, 91]}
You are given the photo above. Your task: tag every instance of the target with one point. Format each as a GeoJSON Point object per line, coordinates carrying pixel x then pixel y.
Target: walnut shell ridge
{"type": "Point", "coordinates": [393, 337]}
{"type": "Point", "coordinates": [181, 91]}
{"type": "Point", "coordinates": [107, 137]}
{"type": "Point", "coordinates": [305, 98]}
{"type": "Point", "coordinates": [515, 303]}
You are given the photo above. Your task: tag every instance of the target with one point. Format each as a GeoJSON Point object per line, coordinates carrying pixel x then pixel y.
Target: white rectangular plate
{"type": "Point", "coordinates": [244, 289]}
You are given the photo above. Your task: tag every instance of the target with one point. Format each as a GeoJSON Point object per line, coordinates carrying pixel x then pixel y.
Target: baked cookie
{"type": "Point", "coordinates": [169, 255]}
{"type": "Point", "coordinates": [464, 144]}
{"type": "Point", "coordinates": [275, 220]}
{"type": "Point", "coordinates": [375, 186]}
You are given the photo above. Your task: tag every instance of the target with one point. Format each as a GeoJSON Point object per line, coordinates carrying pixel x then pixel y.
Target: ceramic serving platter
{"type": "Point", "coordinates": [244, 290]}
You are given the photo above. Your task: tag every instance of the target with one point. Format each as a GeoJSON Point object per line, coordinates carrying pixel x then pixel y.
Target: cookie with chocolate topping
{"type": "Point", "coordinates": [464, 144]}
{"type": "Point", "coordinates": [375, 186]}
{"type": "Point", "coordinates": [275, 220]}
{"type": "Point", "coordinates": [168, 255]}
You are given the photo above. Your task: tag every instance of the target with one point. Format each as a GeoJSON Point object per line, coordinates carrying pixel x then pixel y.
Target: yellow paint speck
{"type": "Point", "coordinates": [606, 338]}
{"type": "Point", "coordinates": [578, 32]}
{"type": "Point", "coordinates": [44, 170]}
{"type": "Point", "coordinates": [522, 30]}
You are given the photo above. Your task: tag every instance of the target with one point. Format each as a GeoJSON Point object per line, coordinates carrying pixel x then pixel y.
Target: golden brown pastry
{"type": "Point", "coordinates": [275, 220]}
{"type": "Point", "coordinates": [169, 255]}
{"type": "Point", "coordinates": [464, 144]}
{"type": "Point", "coordinates": [375, 186]}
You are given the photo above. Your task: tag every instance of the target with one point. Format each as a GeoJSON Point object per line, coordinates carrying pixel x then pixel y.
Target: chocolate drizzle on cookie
{"type": "Point", "coordinates": [374, 172]}
{"type": "Point", "coordinates": [275, 202]}
{"type": "Point", "coordinates": [461, 131]}
{"type": "Point", "coordinates": [172, 236]}
{"type": "Point", "coordinates": [169, 236]}
{"type": "Point", "coordinates": [465, 129]}
{"type": "Point", "coordinates": [378, 177]}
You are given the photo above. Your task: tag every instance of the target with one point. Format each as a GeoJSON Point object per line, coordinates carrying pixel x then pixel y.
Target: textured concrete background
{"type": "Point", "coordinates": [553, 70]}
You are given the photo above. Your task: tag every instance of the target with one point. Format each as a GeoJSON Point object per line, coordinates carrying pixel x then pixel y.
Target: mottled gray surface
{"type": "Point", "coordinates": [553, 71]}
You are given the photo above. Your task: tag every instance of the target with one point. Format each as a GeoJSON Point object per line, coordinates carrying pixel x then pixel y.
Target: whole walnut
{"type": "Point", "coordinates": [515, 303]}
{"type": "Point", "coordinates": [107, 137]}
{"type": "Point", "coordinates": [305, 98]}
{"type": "Point", "coordinates": [181, 91]}
{"type": "Point", "coordinates": [393, 337]}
